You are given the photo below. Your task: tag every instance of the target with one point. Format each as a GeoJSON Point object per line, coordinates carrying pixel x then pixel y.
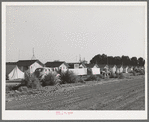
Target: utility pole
{"type": "Point", "coordinates": [33, 58]}
{"type": "Point", "coordinates": [19, 55]}
{"type": "Point", "coordinates": [80, 58]}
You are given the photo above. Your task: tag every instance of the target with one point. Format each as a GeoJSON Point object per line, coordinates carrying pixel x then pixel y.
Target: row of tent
{"type": "Point", "coordinates": [15, 70]}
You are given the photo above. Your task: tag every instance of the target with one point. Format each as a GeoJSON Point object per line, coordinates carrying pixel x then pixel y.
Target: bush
{"type": "Point", "coordinates": [80, 79]}
{"type": "Point", "coordinates": [23, 89]}
{"type": "Point", "coordinates": [51, 79]}
{"type": "Point", "coordinates": [113, 75]}
{"type": "Point", "coordinates": [31, 81]}
{"type": "Point", "coordinates": [134, 73]}
{"type": "Point", "coordinates": [93, 78]}
{"type": "Point", "coordinates": [68, 77]}
{"type": "Point", "coordinates": [121, 76]}
{"type": "Point", "coordinates": [100, 76]}
{"type": "Point", "coordinates": [142, 72]}
{"type": "Point", "coordinates": [9, 88]}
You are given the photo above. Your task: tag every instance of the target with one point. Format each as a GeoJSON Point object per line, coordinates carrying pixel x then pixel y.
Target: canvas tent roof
{"type": "Point", "coordinates": [16, 73]}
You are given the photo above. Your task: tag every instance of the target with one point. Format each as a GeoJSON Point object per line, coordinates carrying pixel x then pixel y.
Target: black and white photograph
{"type": "Point", "coordinates": [74, 60]}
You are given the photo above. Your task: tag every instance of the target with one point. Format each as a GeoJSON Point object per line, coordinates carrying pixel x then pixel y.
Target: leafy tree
{"type": "Point", "coordinates": [104, 59]}
{"type": "Point", "coordinates": [117, 60]}
{"type": "Point", "coordinates": [125, 60]}
{"type": "Point", "coordinates": [134, 61]}
{"type": "Point", "coordinates": [140, 61]}
{"type": "Point", "coordinates": [110, 60]}
{"type": "Point", "coordinates": [96, 59]}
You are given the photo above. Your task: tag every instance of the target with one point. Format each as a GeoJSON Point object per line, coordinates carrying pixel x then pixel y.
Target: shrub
{"type": "Point", "coordinates": [121, 76]}
{"type": "Point", "coordinates": [31, 81]}
{"type": "Point", "coordinates": [9, 88]}
{"type": "Point", "coordinates": [134, 73]}
{"type": "Point", "coordinates": [68, 77]}
{"type": "Point", "coordinates": [142, 72]}
{"type": "Point", "coordinates": [113, 75]}
{"type": "Point", "coordinates": [59, 71]}
{"type": "Point", "coordinates": [100, 76]}
{"type": "Point", "coordinates": [23, 89]}
{"type": "Point", "coordinates": [80, 79]}
{"type": "Point", "coordinates": [93, 78]}
{"type": "Point", "coordinates": [50, 79]}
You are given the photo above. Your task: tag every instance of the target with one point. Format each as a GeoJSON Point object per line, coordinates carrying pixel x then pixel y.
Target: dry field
{"type": "Point", "coordinates": [112, 94]}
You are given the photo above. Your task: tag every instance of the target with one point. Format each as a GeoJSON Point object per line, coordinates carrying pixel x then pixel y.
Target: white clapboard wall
{"type": "Point", "coordinates": [82, 71]}
{"type": "Point", "coordinates": [95, 71]}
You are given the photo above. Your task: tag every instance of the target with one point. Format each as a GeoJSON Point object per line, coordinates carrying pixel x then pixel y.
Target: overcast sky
{"type": "Point", "coordinates": [64, 32]}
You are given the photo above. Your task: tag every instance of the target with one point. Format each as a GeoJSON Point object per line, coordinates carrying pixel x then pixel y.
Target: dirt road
{"type": "Point", "coordinates": [118, 95]}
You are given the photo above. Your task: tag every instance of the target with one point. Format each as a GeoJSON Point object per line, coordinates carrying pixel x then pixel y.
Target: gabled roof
{"type": "Point", "coordinates": [84, 65]}
{"type": "Point", "coordinates": [90, 65]}
{"type": "Point", "coordinates": [11, 63]}
{"type": "Point", "coordinates": [71, 65]}
{"type": "Point", "coordinates": [28, 62]}
{"type": "Point", "coordinates": [10, 67]}
{"type": "Point", "coordinates": [55, 64]}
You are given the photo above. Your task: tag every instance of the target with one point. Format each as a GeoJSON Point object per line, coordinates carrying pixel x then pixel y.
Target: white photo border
{"type": "Point", "coordinates": [77, 115]}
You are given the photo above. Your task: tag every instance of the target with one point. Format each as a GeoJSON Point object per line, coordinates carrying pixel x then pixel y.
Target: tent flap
{"type": "Point", "coordinates": [16, 73]}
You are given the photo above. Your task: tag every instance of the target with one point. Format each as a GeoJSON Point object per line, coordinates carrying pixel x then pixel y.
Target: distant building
{"type": "Point", "coordinates": [112, 68]}
{"type": "Point", "coordinates": [125, 69]}
{"type": "Point", "coordinates": [57, 65]}
{"type": "Point", "coordinates": [13, 72]}
{"type": "Point", "coordinates": [30, 65]}
{"type": "Point", "coordinates": [78, 68]}
{"type": "Point", "coordinates": [130, 68]}
{"type": "Point", "coordinates": [103, 67]}
{"type": "Point", "coordinates": [76, 65]}
{"type": "Point", "coordinates": [119, 69]}
{"type": "Point", "coordinates": [93, 69]}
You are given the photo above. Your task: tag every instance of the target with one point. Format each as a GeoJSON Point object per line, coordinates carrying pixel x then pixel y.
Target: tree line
{"type": "Point", "coordinates": [117, 60]}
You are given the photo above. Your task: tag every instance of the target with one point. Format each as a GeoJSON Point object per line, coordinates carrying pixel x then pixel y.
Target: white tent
{"type": "Point", "coordinates": [16, 73]}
